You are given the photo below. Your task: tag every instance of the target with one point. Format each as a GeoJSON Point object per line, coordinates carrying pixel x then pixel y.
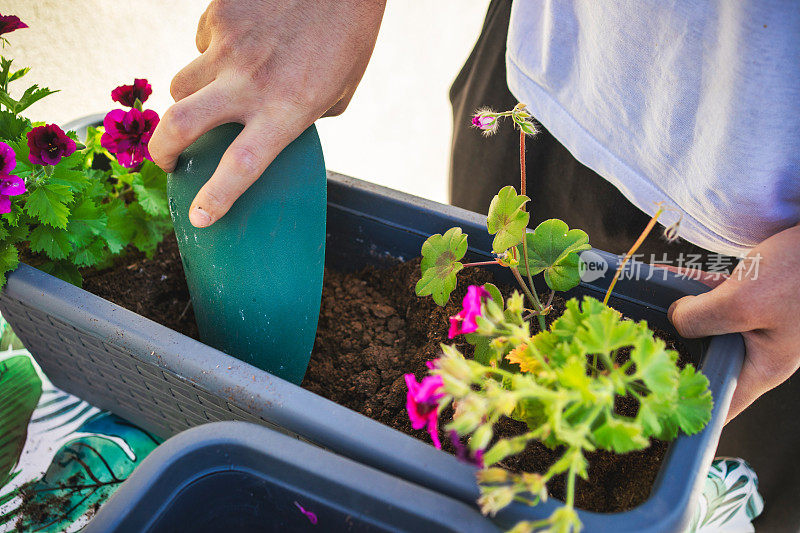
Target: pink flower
{"type": "Point", "coordinates": [485, 120]}
{"type": "Point", "coordinates": [9, 185]}
{"type": "Point", "coordinates": [464, 321]}
{"type": "Point", "coordinates": [127, 94]}
{"type": "Point", "coordinates": [127, 134]}
{"type": "Point", "coordinates": [463, 453]}
{"type": "Point", "coordinates": [311, 516]}
{"type": "Point", "coordinates": [48, 144]}
{"type": "Point", "coordinates": [8, 159]}
{"type": "Point", "coordinates": [422, 403]}
{"type": "Point", "coordinates": [9, 23]}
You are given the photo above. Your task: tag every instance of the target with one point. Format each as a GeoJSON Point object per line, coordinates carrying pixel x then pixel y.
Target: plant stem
{"type": "Point", "coordinates": [531, 296]}
{"type": "Point", "coordinates": [632, 251]}
{"type": "Point", "coordinates": [523, 189]}
{"type": "Point", "coordinates": [522, 175]}
{"type": "Point", "coordinates": [570, 487]}
{"type": "Point", "coordinates": [481, 263]}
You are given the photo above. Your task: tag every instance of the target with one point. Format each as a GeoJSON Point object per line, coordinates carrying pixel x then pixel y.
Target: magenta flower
{"type": "Point", "coordinates": [9, 185]}
{"type": "Point", "coordinates": [48, 144]}
{"type": "Point", "coordinates": [127, 134]}
{"type": "Point", "coordinates": [127, 94]}
{"type": "Point", "coordinates": [9, 23]}
{"type": "Point", "coordinates": [8, 159]}
{"type": "Point", "coordinates": [464, 322]}
{"type": "Point", "coordinates": [422, 403]}
{"type": "Point", "coordinates": [485, 120]}
{"type": "Point", "coordinates": [463, 453]}
{"type": "Point", "coordinates": [311, 516]}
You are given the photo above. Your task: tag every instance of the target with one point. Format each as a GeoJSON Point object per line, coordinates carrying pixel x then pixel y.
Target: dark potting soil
{"type": "Point", "coordinates": [372, 330]}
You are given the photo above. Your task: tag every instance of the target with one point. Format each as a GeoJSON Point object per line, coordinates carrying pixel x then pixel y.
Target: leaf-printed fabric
{"type": "Point", "coordinates": [730, 499]}
{"type": "Point", "coordinates": [69, 461]}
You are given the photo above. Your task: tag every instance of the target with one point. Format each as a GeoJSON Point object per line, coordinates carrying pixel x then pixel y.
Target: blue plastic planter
{"type": "Point", "coordinates": [234, 476]}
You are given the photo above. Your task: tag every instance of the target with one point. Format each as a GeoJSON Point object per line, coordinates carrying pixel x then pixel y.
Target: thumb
{"type": "Point", "coordinates": [712, 313]}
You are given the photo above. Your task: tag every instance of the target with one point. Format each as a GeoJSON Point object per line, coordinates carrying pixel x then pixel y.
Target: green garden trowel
{"type": "Point", "coordinates": [255, 276]}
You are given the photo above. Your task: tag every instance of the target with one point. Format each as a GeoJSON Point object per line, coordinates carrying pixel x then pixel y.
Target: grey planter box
{"type": "Point", "coordinates": [166, 382]}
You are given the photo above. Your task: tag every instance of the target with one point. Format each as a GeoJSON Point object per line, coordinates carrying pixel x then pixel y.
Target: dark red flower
{"type": "Point", "coordinates": [127, 134]}
{"type": "Point", "coordinates": [48, 144]}
{"type": "Point", "coordinates": [9, 23]}
{"type": "Point", "coordinates": [127, 94]}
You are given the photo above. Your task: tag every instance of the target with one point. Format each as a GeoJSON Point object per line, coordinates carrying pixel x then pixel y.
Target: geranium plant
{"type": "Point", "coordinates": [69, 205]}
{"type": "Point", "coordinates": [562, 380]}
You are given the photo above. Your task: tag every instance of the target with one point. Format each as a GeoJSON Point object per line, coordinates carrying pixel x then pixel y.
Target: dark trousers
{"type": "Point", "coordinates": [768, 433]}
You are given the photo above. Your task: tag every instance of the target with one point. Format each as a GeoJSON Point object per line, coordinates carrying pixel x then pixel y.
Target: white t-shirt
{"type": "Point", "coordinates": [693, 103]}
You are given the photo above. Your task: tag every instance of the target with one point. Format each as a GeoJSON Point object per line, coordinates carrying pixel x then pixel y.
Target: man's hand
{"type": "Point", "coordinates": [274, 66]}
{"type": "Point", "coordinates": [763, 305]}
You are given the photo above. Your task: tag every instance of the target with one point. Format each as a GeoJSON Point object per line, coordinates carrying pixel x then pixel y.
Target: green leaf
{"type": "Point", "coordinates": [657, 416]}
{"type": "Point", "coordinates": [606, 331]}
{"type": "Point", "coordinates": [620, 436]}
{"type": "Point", "coordinates": [150, 186]}
{"type": "Point", "coordinates": [148, 231]}
{"type": "Point", "coordinates": [553, 249]}
{"type": "Point", "coordinates": [506, 219]}
{"type": "Point", "coordinates": [655, 365]}
{"type": "Point", "coordinates": [18, 74]}
{"type": "Point", "coordinates": [495, 294]}
{"type": "Point", "coordinates": [9, 260]}
{"type": "Point", "coordinates": [86, 222]}
{"type": "Point", "coordinates": [91, 255]}
{"type": "Point", "coordinates": [64, 270]}
{"type": "Point", "coordinates": [118, 232]}
{"type": "Point", "coordinates": [47, 204]}
{"type": "Point", "coordinates": [20, 388]}
{"type": "Point", "coordinates": [32, 94]}
{"type": "Point", "coordinates": [65, 174]}
{"type": "Point", "coordinates": [12, 126]}
{"type": "Point", "coordinates": [440, 264]}
{"type": "Point", "coordinates": [53, 242]}
{"type": "Point", "coordinates": [483, 352]}
{"type": "Point", "coordinates": [694, 401]}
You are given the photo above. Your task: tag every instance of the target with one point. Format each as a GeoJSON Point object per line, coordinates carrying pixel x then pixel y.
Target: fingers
{"type": "Point", "coordinates": [242, 164]}
{"type": "Point", "coordinates": [192, 78]}
{"type": "Point", "coordinates": [203, 38]}
{"type": "Point", "coordinates": [712, 313]}
{"type": "Point", "coordinates": [712, 279]}
{"type": "Point", "coordinates": [769, 362]}
{"type": "Point", "coordinates": [188, 119]}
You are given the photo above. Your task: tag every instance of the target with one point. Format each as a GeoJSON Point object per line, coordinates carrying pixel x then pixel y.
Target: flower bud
{"type": "Point", "coordinates": [492, 475]}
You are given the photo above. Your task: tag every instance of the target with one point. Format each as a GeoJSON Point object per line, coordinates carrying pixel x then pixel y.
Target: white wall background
{"type": "Point", "coordinates": [396, 131]}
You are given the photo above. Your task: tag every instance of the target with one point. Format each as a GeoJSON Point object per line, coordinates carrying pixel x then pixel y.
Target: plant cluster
{"type": "Point", "coordinates": [564, 381]}
{"type": "Point", "coordinates": [70, 205]}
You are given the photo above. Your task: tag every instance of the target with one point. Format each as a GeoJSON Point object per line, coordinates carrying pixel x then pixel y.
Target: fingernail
{"type": "Point", "coordinates": [199, 218]}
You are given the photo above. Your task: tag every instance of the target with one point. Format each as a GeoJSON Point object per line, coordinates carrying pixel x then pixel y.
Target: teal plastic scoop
{"type": "Point", "coordinates": [255, 276]}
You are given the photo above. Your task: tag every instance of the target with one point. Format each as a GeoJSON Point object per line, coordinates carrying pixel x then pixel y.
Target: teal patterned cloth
{"type": "Point", "coordinates": [61, 458]}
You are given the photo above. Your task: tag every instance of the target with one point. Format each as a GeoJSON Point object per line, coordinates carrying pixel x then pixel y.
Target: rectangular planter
{"type": "Point", "coordinates": [237, 476]}
{"type": "Point", "coordinates": [166, 382]}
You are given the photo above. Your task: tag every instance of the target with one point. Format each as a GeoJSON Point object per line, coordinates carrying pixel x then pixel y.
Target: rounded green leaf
{"type": "Point", "coordinates": [506, 219]}
{"type": "Point", "coordinates": [553, 249]}
{"type": "Point", "coordinates": [440, 264]}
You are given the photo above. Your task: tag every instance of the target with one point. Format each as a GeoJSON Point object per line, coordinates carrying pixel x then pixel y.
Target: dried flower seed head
{"type": "Point", "coordinates": [671, 232]}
